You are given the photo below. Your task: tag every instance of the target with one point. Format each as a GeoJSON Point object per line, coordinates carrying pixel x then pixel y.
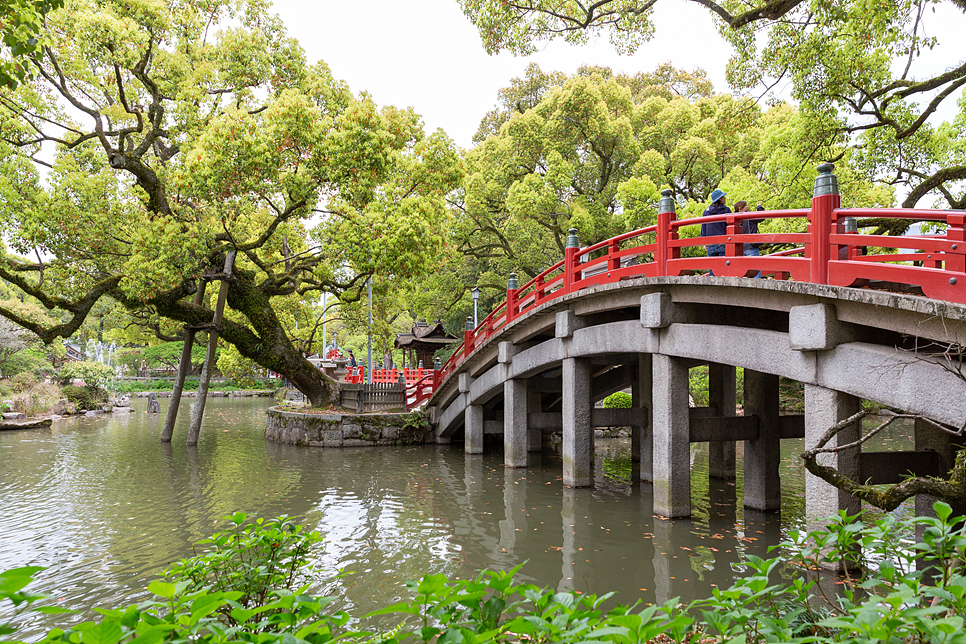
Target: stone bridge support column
{"type": "Point", "coordinates": [472, 419]}
{"type": "Point", "coordinates": [642, 394]}
{"type": "Point", "coordinates": [515, 440]}
{"type": "Point", "coordinates": [534, 434]}
{"type": "Point", "coordinates": [762, 456]}
{"type": "Point", "coordinates": [824, 408]}
{"type": "Point", "coordinates": [473, 430]}
{"type": "Point", "coordinates": [670, 435]}
{"type": "Point", "coordinates": [578, 435]}
{"type": "Point", "coordinates": [723, 397]}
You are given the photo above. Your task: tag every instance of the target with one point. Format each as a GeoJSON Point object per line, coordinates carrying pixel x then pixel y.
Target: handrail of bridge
{"type": "Point", "coordinates": [420, 391]}
{"type": "Point", "coordinates": [829, 252]}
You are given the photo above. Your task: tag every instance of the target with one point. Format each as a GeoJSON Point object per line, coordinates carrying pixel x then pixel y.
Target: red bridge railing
{"type": "Point", "coordinates": [829, 252]}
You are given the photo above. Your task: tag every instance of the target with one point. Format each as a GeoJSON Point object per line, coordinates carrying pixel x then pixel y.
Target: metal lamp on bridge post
{"type": "Point", "coordinates": [476, 299]}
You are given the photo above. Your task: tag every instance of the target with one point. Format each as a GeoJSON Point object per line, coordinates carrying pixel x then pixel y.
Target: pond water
{"type": "Point", "coordinates": [105, 507]}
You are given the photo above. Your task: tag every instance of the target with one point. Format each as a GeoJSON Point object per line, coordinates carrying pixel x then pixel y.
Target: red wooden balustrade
{"type": "Point", "coordinates": [421, 390]}
{"type": "Point", "coordinates": [824, 254]}
{"type": "Point", "coordinates": [357, 375]}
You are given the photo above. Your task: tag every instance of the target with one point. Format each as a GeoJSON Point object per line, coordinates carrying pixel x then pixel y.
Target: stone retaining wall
{"type": "Point", "coordinates": [343, 430]}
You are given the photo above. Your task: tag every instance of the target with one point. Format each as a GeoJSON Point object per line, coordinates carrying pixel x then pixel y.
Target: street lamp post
{"type": "Point", "coordinates": [369, 367]}
{"type": "Point", "coordinates": [324, 298]}
{"type": "Point", "coordinates": [476, 298]}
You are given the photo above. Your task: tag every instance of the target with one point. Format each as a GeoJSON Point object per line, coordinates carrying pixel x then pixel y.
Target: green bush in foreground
{"type": "Point", "coordinates": [244, 589]}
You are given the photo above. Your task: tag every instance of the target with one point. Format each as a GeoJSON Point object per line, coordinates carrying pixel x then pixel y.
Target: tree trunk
{"type": "Point", "coordinates": [262, 340]}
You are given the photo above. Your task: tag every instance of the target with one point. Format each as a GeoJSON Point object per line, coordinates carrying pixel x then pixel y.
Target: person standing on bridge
{"type": "Point", "coordinates": [750, 227]}
{"type": "Point", "coordinates": [717, 207]}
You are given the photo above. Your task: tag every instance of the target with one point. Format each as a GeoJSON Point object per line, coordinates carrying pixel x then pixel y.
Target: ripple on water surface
{"type": "Point", "coordinates": [105, 507]}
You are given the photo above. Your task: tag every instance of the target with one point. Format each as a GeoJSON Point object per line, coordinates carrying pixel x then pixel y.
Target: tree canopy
{"type": "Point", "coordinates": [156, 137]}
{"type": "Point", "coordinates": [854, 66]}
{"type": "Point", "coordinates": [591, 151]}
{"type": "Point", "coordinates": [21, 36]}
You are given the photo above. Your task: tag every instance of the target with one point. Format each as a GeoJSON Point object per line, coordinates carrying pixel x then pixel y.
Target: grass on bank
{"type": "Point", "coordinates": [191, 384]}
{"type": "Point", "coordinates": [250, 585]}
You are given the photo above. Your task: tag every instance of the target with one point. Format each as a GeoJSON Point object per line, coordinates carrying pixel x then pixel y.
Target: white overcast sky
{"type": "Point", "coordinates": [426, 53]}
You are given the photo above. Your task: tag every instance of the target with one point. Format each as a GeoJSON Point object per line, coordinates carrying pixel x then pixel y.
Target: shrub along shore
{"type": "Point", "coordinates": [27, 394]}
{"type": "Point", "coordinates": [250, 584]}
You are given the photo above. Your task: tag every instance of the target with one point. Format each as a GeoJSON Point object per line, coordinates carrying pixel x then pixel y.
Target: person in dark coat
{"type": "Point", "coordinates": [750, 227]}
{"type": "Point", "coordinates": [352, 358]}
{"type": "Point", "coordinates": [717, 207]}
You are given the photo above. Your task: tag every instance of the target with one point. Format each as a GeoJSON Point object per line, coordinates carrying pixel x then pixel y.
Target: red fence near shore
{"type": "Point", "coordinates": [825, 254]}
{"type": "Point", "coordinates": [413, 387]}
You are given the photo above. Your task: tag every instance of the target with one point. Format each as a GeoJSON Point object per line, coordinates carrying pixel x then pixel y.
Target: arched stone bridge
{"type": "Point", "coordinates": [598, 323]}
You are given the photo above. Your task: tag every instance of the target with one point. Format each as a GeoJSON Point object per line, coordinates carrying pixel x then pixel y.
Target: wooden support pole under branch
{"type": "Point", "coordinates": [183, 368]}
{"type": "Point", "coordinates": [198, 409]}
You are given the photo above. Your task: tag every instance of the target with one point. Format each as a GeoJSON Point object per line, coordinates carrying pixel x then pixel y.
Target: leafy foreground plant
{"type": "Point", "coordinates": [257, 560]}
{"type": "Point", "coordinates": [244, 589]}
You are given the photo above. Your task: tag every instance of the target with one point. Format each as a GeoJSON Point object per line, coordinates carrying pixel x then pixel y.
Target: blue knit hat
{"type": "Point", "coordinates": [717, 194]}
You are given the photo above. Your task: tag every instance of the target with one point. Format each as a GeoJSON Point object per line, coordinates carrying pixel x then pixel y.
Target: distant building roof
{"type": "Point", "coordinates": [74, 351]}
{"type": "Point", "coordinates": [424, 335]}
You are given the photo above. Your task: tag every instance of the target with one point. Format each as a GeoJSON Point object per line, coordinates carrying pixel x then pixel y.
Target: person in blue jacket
{"type": "Point", "coordinates": [717, 207]}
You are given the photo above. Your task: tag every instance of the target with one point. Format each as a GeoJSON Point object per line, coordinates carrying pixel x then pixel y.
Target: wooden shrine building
{"type": "Point", "coordinates": [422, 342]}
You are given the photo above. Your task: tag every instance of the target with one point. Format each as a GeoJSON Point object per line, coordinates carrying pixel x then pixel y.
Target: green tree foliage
{"type": "Point", "coordinates": [172, 134]}
{"type": "Point", "coordinates": [21, 36]}
{"type": "Point", "coordinates": [618, 400]}
{"type": "Point", "coordinates": [240, 369]}
{"type": "Point", "coordinates": [20, 351]}
{"type": "Point", "coordinates": [854, 68]}
{"type": "Point", "coordinates": [94, 374]}
{"type": "Point", "coordinates": [167, 355]}
{"type": "Point", "coordinates": [593, 152]}
{"type": "Point", "coordinates": [34, 358]}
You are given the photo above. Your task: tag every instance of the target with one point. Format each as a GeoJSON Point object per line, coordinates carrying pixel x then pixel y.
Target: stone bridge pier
{"type": "Point", "coordinates": [544, 372]}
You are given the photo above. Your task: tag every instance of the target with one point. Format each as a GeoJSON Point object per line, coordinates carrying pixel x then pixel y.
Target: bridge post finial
{"type": "Point", "coordinates": [469, 337]}
{"type": "Point", "coordinates": [572, 241]}
{"type": "Point", "coordinates": [821, 222]}
{"type": "Point", "coordinates": [570, 260]}
{"type": "Point", "coordinates": [511, 297]}
{"type": "Point", "coordinates": [665, 215]}
{"type": "Point", "coordinates": [826, 183]}
{"type": "Point", "coordinates": [667, 203]}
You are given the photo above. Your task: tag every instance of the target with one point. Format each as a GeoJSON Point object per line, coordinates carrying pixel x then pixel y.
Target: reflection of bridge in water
{"type": "Point", "coordinates": [398, 514]}
{"type": "Point", "coordinates": [628, 312]}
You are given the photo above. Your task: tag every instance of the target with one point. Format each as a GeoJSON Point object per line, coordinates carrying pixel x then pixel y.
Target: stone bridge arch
{"type": "Point", "coordinates": [546, 369]}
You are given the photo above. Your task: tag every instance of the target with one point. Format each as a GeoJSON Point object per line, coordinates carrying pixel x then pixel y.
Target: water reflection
{"type": "Point", "coordinates": [105, 507]}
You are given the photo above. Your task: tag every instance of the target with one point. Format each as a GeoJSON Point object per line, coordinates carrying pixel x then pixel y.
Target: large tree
{"type": "Point", "coordinates": [854, 68]}
{"type": "Point", "coordinates": [158, 136]}
{"type": "Point", "coordinates": [590, 151]}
